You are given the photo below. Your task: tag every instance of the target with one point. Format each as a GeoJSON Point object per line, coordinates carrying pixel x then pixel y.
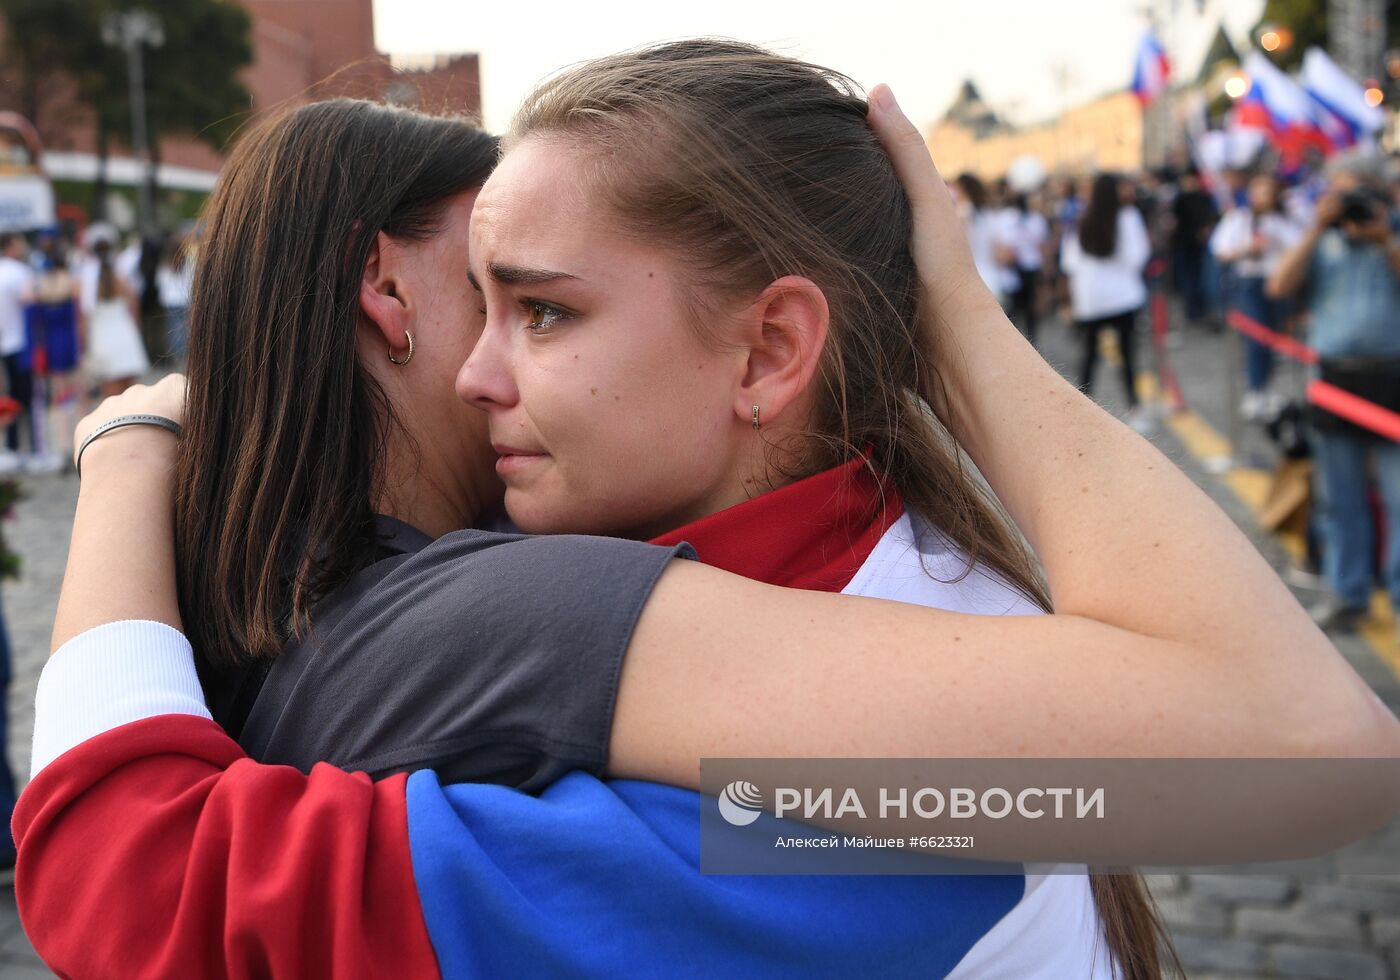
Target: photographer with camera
{"type": "Point", "coordinates": [1347, 267]}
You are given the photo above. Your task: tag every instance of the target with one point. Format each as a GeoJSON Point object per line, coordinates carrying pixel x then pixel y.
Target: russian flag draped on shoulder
{"type": "Point", "coordinates": [1151, 70]}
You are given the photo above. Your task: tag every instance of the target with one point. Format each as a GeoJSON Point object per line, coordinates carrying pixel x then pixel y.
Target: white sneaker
{"type": "Point", "coordinates": [1252, 406]}
{"type": "Point", "coordinates": [1141, 421]}
{"type": "Point", "coordinates": [10, 462]}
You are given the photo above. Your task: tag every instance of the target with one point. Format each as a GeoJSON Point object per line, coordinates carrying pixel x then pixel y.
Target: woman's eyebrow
{"type": "Point", "coordinates": [519, 275]}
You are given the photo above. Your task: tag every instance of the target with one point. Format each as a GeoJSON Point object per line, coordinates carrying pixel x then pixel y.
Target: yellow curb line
{"type": "Point", "coordinates": [1251, 487]}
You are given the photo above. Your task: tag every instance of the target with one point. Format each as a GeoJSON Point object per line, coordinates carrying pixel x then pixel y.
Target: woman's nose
{"type": "Point", "coordinates": [485, 379]}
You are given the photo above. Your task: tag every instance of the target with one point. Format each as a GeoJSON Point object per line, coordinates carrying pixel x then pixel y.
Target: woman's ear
{"type": "Point", "coordinates": [380, 291]}
{"type": "Point", "coordinates": [786, 331]}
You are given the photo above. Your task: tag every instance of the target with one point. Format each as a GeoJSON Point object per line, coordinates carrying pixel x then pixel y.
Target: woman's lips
{"type": "Point", "coordinates": [512, 461]}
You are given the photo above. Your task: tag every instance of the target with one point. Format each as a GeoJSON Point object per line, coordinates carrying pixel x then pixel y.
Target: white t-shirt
{"type": "Point", "coordinates": [174, 285]}
{"type": "Point", "coordinates": [90, 271]}
{"type": "Point", "coordinates": [15, 277]}
{"type": "Point", "coordinates": [1028, 233]}
{"type": "Point", "coordinates": [1236, 232]}
{"type": "Point", "coordinates": [986, 232]}
{"type": "Point", "coordinates": [1107, 286]}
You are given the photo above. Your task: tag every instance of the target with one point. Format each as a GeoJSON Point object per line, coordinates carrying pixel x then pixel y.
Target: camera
{"type": "Point", "coordinates": [1361, 206]}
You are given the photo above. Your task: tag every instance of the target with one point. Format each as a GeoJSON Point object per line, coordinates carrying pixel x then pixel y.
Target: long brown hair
{"type": "Point", "coordinates": [1098, 228]}
{"type": "Point", "coordinates": [284, 430]}
{"type": "Point", "coordinates": [753, 167]}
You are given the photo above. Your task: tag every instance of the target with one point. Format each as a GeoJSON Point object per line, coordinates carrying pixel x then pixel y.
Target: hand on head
{"type": "Point", "coordinates": [939, 245]}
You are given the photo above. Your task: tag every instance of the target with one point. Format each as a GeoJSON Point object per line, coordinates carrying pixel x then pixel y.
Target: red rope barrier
{"type": "Point", "coordinates": [1285, 345]}
{"type": "Point", "coordinates": [1339, 402]}
{"type": "Point", "coordinates": [1355, 409]}
{"type": "Point", "coordinates": [1165, 371]}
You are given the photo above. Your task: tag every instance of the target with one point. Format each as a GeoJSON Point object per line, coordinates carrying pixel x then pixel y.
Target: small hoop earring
{"type": "Point", "coordinates": [756, 423]}
{"type": "Point", "coordinates": [393, 360]}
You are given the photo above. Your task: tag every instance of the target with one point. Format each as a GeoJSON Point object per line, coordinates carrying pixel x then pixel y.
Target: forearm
{"type": "Point", "coordinates": [121, 562]}
{"type": "Point", "coordinates": [724, 667]}
{"type": "Point", "coordinates": [1293, 267]}
{"type": "Point", "coordinates": [1126, 539]}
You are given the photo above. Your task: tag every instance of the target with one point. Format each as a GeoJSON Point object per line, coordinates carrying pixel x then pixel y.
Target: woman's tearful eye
{"type": "Point", "coordinates": [541, 317]}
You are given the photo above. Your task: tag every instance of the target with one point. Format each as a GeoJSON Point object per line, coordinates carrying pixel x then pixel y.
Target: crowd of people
{"type": "Point", "coordinates": [1315, 256]}
{"type": "Point", "coordinates": [72, 326]}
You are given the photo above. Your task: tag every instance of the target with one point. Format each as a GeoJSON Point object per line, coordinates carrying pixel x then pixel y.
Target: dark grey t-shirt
{"type": "Point", "coordinates": [486, 657]}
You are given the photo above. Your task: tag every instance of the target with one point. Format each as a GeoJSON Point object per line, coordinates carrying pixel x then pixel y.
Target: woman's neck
{"type": "Point", "coordinates": [422, 495]}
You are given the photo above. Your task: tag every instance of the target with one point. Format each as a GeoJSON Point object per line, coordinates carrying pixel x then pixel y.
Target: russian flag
{"type": "Point", "coordinates": [1151, 70]}
{"type": "Point", "coordinates": [1339, 100]}
{"type": "Point", "coordinates": [1278, 105]}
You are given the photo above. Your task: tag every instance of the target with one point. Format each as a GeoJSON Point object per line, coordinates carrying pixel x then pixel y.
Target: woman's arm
{"type": "Point", "coordinates": [122, 561]}
{"type": "Point", "coordinates": [1171, 635]}
{"type": "Point", "coordinates": [1292, 270]}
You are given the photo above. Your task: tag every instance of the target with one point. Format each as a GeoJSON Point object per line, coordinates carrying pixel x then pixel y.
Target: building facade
{"type": "Point", "coordinates": [1104, 134]}
{"type": "Point", "coordinates": [302, 50]}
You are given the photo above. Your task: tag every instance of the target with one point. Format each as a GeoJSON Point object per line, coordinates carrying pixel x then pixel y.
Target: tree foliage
{"type": "Point", "coordinates": [1307, 19]}
{"type": "Point", "coordinates": [192, 83]}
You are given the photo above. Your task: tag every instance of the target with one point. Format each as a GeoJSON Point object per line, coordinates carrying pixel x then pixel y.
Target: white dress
{"type": "Point", "coordinates": [115, 348]}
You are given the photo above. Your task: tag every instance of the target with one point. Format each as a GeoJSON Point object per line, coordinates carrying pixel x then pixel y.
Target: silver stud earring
{"type": "Point", "coordinates": [756, 423]}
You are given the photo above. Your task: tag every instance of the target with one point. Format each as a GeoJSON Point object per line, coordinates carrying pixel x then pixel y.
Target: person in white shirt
{"type": "Point", "coordinates": [15, 277]}
{"type": "Point", "coordinates": [1104, 261]}
{"type": "Point", "coordinates": [1252, 239]}
{"type": "Point", "coordinates": [174, 280]}
{"type": "Point", "coordinates": [984, 234]}
{"type": "Point", "coordinates": [1027, 231]}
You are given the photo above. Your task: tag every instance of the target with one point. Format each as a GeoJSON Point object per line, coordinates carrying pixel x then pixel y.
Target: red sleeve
{"type": "Point", "coordinates": [158, 849]}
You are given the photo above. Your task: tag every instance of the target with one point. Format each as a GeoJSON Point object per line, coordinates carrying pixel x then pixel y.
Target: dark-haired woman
{"type": "Point", "coordinates": [1104, 262]}
{"type": "Point", "coordinates": [703, 636]}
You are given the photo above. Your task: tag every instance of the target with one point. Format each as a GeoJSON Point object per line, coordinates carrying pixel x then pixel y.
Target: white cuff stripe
{"type": "Point", "coordinates": [109, 676]}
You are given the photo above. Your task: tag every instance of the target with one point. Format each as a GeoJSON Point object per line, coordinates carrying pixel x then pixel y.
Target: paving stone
{"type": "Point", "coordinates": [1387, 883]}
{"type": "Point", "coordinates": [1191, 913]}
{"type": "Point", "coordinates": [1251, 889]}
{"type": "Point", "coordinates": [1321, 963]}
{"type": "Point", "coordinates": [1160, 885]}
{"type": "Point", "coordinates": [1212, 953]}
{"type": "Point", "coordinates": [1351, 898]}
{"type": "Point", "coordinates": [1385, 930]}
{"type": "Point", "coordinates": [16, 944]}
{"type": "Point", "coordinates": [1299, 923]}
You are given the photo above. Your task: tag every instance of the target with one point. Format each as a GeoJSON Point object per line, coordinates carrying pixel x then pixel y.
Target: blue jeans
{"type": "Point", "coordinates": [1344, 513]}
{"type": "Point", "coordinates": [1247, 296]}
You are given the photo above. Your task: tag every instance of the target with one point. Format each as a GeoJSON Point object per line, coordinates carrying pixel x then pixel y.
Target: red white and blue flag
{"type": "Point", "coordinates": [1151, 70]}
{"type": "Point", "coordinates": [1281, 107]}
{"type": "Point", "coordinates": [1340, 100]}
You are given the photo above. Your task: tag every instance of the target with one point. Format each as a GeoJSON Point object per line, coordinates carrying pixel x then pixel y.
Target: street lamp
{"type": "Point", "coordinates": [130, 30]}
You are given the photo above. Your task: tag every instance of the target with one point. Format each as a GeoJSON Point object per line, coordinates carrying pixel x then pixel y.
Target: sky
{"type": "Point", "coordinates": [1029, 58]}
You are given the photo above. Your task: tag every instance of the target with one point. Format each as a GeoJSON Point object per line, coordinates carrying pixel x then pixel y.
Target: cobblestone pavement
{"type": "Point", "coordinates": [1225, 928]}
